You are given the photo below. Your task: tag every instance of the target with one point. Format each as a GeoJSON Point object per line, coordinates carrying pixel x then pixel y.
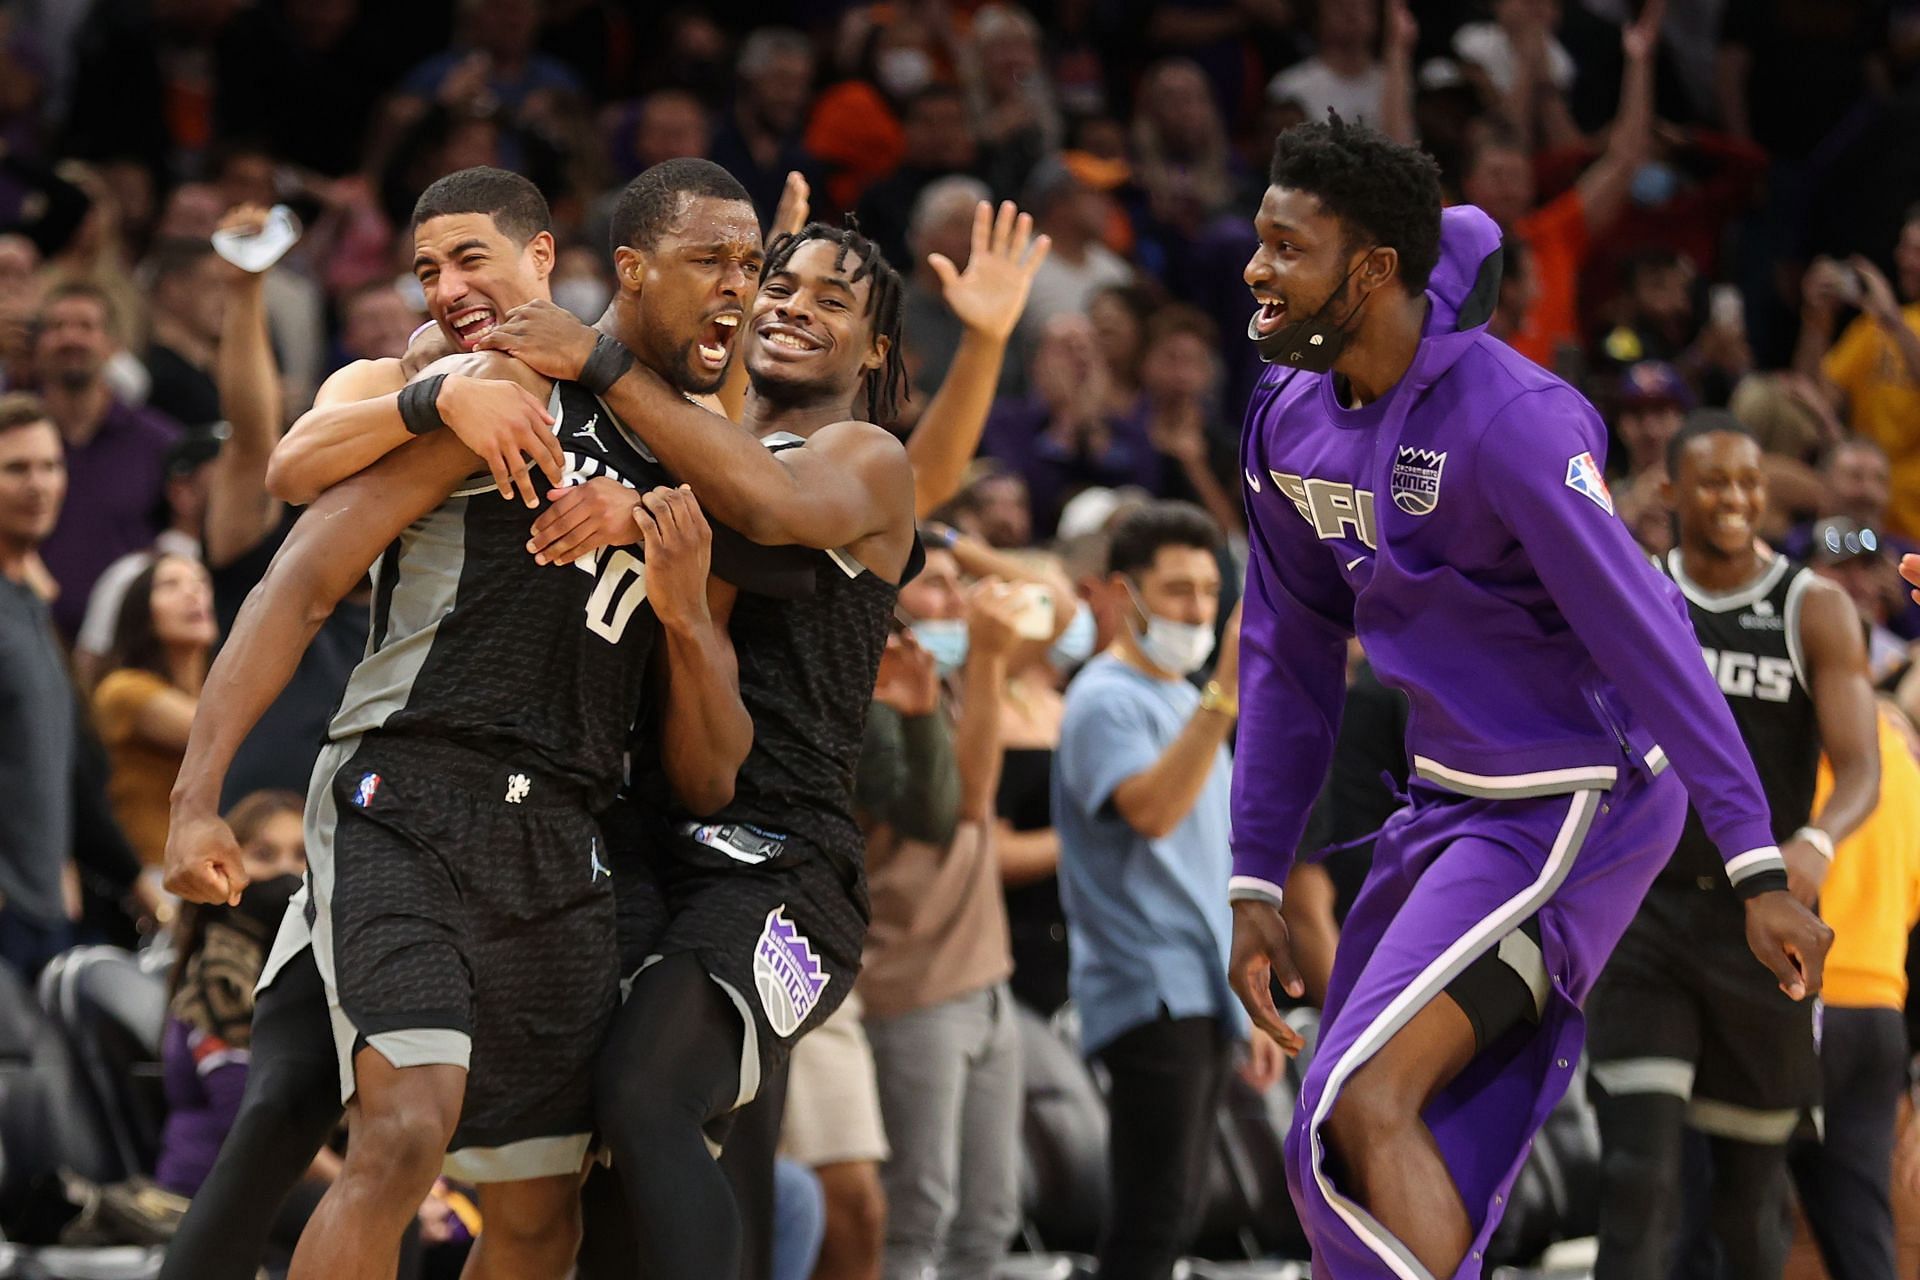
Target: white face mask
{"type": "Point", "coordinates": [585, 296]}
{"type": "Point", "coordinates": [1179, 647]}
{"type": "Point", "coordinates": [904, 72]}
{"type": "Point", "coordinates": [944, 638]}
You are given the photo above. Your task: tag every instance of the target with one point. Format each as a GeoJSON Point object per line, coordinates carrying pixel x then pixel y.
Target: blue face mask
{"type": "Point", "coordinates": [1075, 644]}
{"type": "Point", "coordinates": [945, 639]}
{"type": "Point", "coordinates": [1653, 185]}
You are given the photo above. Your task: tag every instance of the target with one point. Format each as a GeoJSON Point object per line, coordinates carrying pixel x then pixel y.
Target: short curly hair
{"type": "Point", "coordinates": [1385, 193]}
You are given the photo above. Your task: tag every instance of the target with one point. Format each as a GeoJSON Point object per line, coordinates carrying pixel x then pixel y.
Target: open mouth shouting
{"type": "Point", "coordinates": [716, 339]}
{"type": "Point", "coordinates": [470, 324]}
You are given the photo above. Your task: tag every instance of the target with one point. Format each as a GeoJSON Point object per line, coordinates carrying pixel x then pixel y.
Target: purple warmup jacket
{"type": "Point", "coordinates": [1459, 525]}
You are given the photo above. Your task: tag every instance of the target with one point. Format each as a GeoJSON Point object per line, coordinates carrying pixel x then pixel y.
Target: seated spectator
{"type": "Point", "coordinates": [188, 293]}
{"type": "Point", "coordinates": [1180, 150]}
{"type": "Point", "coordinates": [1873, 371]}
{"type": "Point", "coordinates": [992, 506]}
{"type": "Point", "coordinates": [1076, 213]}
{"type": "Point", "coordinates": [1855, 557]}
{"type": "Point", "coordinates": [189, 475]}
{"type": "Point", "coordinates": [1655, 320]}
{"type": "Point", "coordinates": [667, 124]}
{"type": "Point", "coordinates": [497, 48]}
{"type": "Point", "coordinates": [1010, 94]}
{"type": "Point", "coordinates": [934, 973]}
{"type": "Point", "coordinates": [1180, 386]}
{"type": "Point", "coordinates": [1119, 314]}
{"type": "Point", "coordinates": [1063, 437]}
{"type": "Point", "coordinates": [939, 144]}
{"type": "Point", "coordinates": [758, 140]}
{"type": "Point", "coordinates": [1344, 72]}
{"type": "Point", "coordinates": [144, 703]}
{"type": "Point", "coordinates": [1141, 795]}
{"type": "Point", "coordinates": [221, 951]}
{"type": "Point", "coordinates": [116, 454]}
{"type": "Point", "coordinates": [942, 223]}
{"type": "Point", "coordinates": [376, 323]}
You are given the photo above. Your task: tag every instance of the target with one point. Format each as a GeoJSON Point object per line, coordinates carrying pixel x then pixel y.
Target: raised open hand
{"type": "Point", "coordinates": [992, 292]}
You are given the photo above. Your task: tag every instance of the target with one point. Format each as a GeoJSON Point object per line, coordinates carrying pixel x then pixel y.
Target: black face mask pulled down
{"type": "Point", "coordinates": [1314, 342]}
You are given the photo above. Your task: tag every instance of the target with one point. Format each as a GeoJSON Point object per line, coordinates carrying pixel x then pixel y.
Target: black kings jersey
{"type": "Point", "coordinates": [1750, 640]}
{"type": "Point", "coordinates": [807, 671]}
{"type": "Point", "coordinates": [475, 644]}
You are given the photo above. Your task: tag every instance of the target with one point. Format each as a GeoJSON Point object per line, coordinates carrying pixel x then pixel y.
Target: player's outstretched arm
{"type": "Point", "coordinates": [851, 481]}
{"type": "Point", "coordinates": [496, 407]}
{"type": "Point", "coordinates": [1836, 654]}
{"type": "Point", "coordinates": [240, 513]}
{"type": "Point", "coordinates": [988, 297]}
{"type": "Point", "coordinates": [705, 729]}
{"type": "Point", "coordinates": [321, 560]}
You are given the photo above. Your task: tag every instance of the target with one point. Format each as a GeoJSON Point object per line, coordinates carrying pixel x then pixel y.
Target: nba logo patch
{"type": "Point", "coordinates": [1415, 482]}
{"type": "Point", "coordinates": [1584, 478]}
{"type": "Point", "coordinates": [364, 793]}
{"type": "Point", "coordinates": [786, 973]}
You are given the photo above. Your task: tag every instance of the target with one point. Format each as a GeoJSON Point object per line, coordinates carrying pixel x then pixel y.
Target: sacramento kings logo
{"type": "Point", "coordinates": [786, 973]}
{"type": "Point", "coordinates": [1415, 482]}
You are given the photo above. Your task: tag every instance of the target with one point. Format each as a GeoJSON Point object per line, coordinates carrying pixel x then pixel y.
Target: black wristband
{"type": "Point", "coordinates": [608, 363]}
{"type": "Point", "coordinates": [420, 405]}
{"type": "Point", "coordinates": [1761, 882]}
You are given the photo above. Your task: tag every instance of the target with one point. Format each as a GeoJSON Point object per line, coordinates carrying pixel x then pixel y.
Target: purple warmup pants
{"type": "Point", "coordinates": [1452, 875]}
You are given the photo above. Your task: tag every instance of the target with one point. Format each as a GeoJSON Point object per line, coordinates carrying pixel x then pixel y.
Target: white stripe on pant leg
{"type": "Point", "coordinates": [1624, 1076]}
{"type": "Point", "coordinates": [1431, 981]}
{"type": "Point", "coordinates": [1743, 1124]}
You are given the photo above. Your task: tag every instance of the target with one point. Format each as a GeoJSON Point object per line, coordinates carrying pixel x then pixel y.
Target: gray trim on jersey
{"type": "Point", "coordinates": [528, 1158]}
{"type": "Point", "coordinates": [1796, 652]}
{"type": "Point", "coordinates": [1521, 954]}
{"type": "Point", "coordinates": [1759, 589]}
{"type": "Point", "coordinates": [1624, 1076]}
{"type": "Point", "coordinates": [433, 554]}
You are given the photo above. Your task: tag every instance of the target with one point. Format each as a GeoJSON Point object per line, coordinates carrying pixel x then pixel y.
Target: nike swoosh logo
{"type": "Point", "coordinates": [1253, 482]}
{"type": "Point", "coordinates": [1356, 560]}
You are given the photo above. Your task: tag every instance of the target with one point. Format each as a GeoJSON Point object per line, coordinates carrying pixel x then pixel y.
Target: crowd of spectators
{"type": "Point", "coordinates": [1712, 203]}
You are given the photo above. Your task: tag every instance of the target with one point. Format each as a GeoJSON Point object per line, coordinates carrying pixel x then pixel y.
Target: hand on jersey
{"type": "Point", "coordinates": [203, 861]}
{"type": "Point", "coordinates": [1790, 940]}
{"type": "Point", "coordinates": [1262, 952]}
{"type": "Point", "coordinates": [1807, 871]}
{"type": "Point", "coordinates": [507, 428]}
{"type": "Point", "coordinates": [909, 679]}
{"type": "Point", "coordinates": [548, 339]}
{"type": "Point", "coordinates": [990, 294]}
{"type": "Point", "coordinates": [679, 544]}
{"type": "Point", "coordinates": [583, 519]}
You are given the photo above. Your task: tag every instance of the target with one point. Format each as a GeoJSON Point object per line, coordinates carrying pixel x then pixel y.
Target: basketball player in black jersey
{"type": "Point", "coordinates": [461, 898]}
{"type": "Point", "coordinates": [754, 935]}
{"type": "Point", "coordinates": [1685, 1032]}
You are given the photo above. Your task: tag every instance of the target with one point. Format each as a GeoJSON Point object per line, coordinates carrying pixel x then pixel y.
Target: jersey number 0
{"type": "Point", "coordinates": [619, 587]}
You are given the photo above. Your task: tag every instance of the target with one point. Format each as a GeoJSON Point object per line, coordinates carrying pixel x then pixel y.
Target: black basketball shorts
{"type": "Point", "coordinates": [462, 914]}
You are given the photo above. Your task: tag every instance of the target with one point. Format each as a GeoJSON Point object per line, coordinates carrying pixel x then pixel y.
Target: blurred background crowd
{"type": "Point", "coordinates": [1708, 203]}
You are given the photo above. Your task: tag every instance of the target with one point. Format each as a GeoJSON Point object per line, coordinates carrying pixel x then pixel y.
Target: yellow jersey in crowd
{"type": "Point", "coordinates": [1872, 897]}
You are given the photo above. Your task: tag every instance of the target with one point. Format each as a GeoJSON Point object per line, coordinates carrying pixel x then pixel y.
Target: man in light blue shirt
{"type": "Point", "coordinates": [1140, 796]}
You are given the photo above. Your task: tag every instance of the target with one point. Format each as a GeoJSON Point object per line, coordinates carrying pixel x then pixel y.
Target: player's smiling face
{"type": "Point", "coordinates": [813, 327]}
{"type": "Point", "coordinates": [695, 285]}
{"type": "Point", "coordinates": [1719, 493]}
{"type": "Point", "coordinates": [1303, 259]}
{"type": "Point", "coordinates": [473, 273]}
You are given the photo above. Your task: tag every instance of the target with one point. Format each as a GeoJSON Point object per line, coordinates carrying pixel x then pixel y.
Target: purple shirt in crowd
{"type": "Point", "coordinates": [1016, 434]}
{"type": "Point", "coordinates": [115, 486]}
{"type": "Point", "coordinates": [203, 1079]}
{"type": "Point", "coordinates": [1460, 526]}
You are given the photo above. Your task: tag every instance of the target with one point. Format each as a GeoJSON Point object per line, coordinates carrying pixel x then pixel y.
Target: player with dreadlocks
{"type": "Point", "coordinates": [749, 929]}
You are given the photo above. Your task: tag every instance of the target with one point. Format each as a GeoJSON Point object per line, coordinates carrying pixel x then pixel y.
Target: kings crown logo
{"type": "Point", "coordinates": [1415, 482]}
{"type": "Point", "coordinates": [786, 974]}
